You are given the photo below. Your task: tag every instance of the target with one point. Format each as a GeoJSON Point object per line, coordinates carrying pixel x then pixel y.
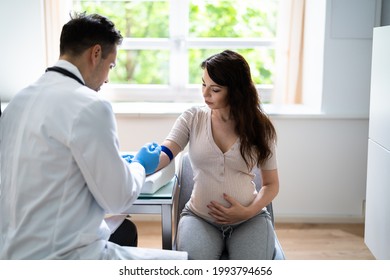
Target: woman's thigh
{"type": "Point", "coordinates": [252, 240]}
{"type": "Point", "coordinates": [200, 239]}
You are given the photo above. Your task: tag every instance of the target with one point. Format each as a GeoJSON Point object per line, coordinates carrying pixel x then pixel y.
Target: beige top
{"type": "Point", "coordinates": [215, 172]}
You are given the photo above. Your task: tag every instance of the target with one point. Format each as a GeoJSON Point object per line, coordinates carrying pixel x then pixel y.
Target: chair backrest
{"type": "Point", "coordinates": [186, 184]}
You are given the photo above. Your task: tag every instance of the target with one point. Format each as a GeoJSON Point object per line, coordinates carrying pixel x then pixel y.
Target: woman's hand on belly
{"type": "Point", "coordinates": [232, 214]}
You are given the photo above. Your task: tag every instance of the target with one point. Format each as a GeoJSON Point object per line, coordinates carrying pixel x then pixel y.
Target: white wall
{"type": "Point", "coordinates": [322, 166]}
{"type": "Point", "coordinates": [347, 55]}
{"type": "Point", "coordinates": [22, 45]}
{"type": "Point", "coordinates": [322, 157]}
{"type": "Point", "coordinates": [385, 16]}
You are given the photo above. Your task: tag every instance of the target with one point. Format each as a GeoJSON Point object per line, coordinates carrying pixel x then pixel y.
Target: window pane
{"type": "Point", "coordinates": [135, 19]}
{"type": "Point", "coordinates": [141, 67]}
{"type": "Point", "coordinates": [143, 62]}
{"type": "Point", "coordinates": [233, 19]}
{"type": "Point", "coordinates": [260, 60]}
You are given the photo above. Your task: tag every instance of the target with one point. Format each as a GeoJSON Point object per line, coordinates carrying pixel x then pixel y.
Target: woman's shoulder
{"type": "Point", "coordinates": [198, 108]}
{"type": "Point", "coordinates": [196, 111]}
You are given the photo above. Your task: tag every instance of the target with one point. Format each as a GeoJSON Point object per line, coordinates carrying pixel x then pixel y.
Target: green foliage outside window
{"type": "Point", "coordinates": [232, 19]}
{"type": "Point", "coordinates": [207, 19]}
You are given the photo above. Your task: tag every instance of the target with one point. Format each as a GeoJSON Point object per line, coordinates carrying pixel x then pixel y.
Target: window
{"type": "Point", "coordinates": [166, 40]}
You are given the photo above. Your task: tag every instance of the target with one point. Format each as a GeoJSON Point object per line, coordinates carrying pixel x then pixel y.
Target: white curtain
{"type": "Point", "coordinates": [56, 15]}
{"type": "Point", "coordinates": [289, 52]}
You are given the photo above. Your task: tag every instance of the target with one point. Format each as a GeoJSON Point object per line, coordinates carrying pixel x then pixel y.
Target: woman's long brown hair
{"type": "Point", "coordinates": [254, 128]}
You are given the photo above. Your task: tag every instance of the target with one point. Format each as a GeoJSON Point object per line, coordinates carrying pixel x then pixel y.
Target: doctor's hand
{"type": "Point", "coordinates": [128, 158]}
{"type": "Point", "coordinates": [149, 156]}
{"type": "Point", "coordinates": [232, 214]}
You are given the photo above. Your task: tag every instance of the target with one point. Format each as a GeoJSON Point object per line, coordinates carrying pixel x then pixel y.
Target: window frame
{"type": "Point", "coordinates": [178, 89]}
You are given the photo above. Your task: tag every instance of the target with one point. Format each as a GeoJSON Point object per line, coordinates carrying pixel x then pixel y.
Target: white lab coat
{"type": "Point", "coordinates": [61, 172]}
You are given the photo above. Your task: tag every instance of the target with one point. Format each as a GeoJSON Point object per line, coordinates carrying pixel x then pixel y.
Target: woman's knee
{"type": "Point", "coordinates": [200, 239]}
{"type": "Point", "coordinates": [253, 239]}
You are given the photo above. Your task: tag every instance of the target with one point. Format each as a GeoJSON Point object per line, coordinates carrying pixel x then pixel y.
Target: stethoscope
{"type": "Point", "coordinates": [65, 72]}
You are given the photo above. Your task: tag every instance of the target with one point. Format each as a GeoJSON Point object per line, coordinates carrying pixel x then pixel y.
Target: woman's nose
{"type": "Point", "coordinates": [206, 92]}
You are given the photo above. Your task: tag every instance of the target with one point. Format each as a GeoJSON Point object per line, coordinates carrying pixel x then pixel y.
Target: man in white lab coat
{"type": "Point", "coordinates": [61, 171]}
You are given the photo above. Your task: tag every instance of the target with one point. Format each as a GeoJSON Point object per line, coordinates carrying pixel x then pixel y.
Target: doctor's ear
{"type": "Point", "coordinates": [96, 51]}
{"type": "Point", "coordinates": [95, 54]}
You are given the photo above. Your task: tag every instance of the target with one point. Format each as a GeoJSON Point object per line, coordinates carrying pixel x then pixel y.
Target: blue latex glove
{"type": "Point", "coordinates": [128, 158]}
{"type": "Point", "coordinates": [149, 157]}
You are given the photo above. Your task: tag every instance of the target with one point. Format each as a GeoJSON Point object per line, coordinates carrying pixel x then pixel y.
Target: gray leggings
{"type": "Point", "coordinates": [253, 239]}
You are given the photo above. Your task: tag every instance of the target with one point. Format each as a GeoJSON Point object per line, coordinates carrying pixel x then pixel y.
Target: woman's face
{"type": "Point", "coordinates": [215, 96]}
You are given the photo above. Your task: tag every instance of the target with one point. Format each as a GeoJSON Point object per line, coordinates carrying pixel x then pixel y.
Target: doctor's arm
{"type": "Point", "coordinates": [114, 184]}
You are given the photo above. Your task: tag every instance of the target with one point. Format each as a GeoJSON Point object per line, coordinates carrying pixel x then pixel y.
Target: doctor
{"type": "Point", "coordinates": [61, 170]}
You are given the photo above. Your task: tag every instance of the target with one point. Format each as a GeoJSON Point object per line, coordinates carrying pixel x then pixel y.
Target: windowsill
{"type": "Point", "coordinates": [150, 108]}
{"type": "Point", "coordinates": [168, 109]}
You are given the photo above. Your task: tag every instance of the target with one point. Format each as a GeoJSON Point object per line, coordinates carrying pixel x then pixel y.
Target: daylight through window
{"type": "Point", "coordinates": [166, 40]}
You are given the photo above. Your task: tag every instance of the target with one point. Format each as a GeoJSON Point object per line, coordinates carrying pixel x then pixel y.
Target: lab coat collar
{"type": "Point", "coordinates": [70, 67]}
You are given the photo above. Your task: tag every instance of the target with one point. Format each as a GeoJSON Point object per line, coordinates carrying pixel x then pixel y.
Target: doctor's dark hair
{"type": "Point", "coordinates": [254, 128]}
{"type": "Point", "coordinates": [84, 31]}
